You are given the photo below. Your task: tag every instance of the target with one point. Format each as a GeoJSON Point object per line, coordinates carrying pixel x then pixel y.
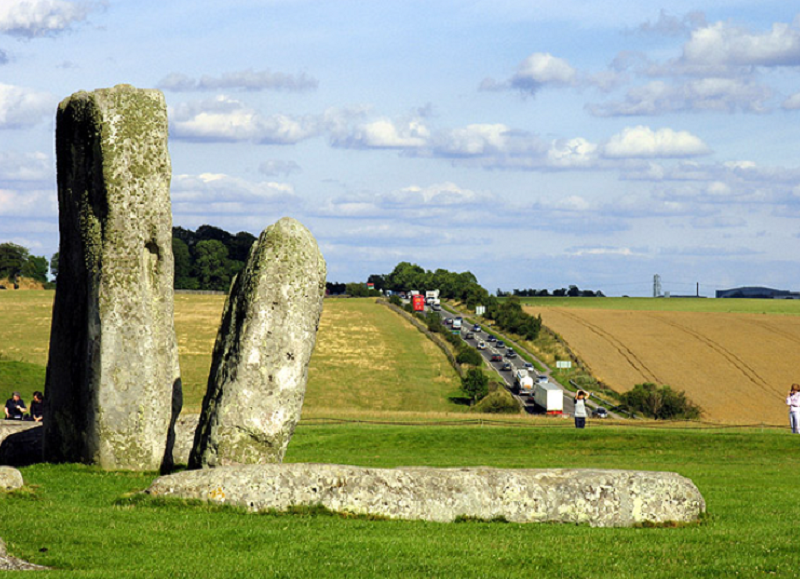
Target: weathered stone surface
{"type": "Point", "coordinates": [259, 367]}
{"type": "Point", "coordinates": [10, 478]}
{"type": "Point", "coordinates": [113, 380]}
{"type": "Point", "coordinates": [601, 498]}
{"type": "Point", "coordinates": [20, 442]}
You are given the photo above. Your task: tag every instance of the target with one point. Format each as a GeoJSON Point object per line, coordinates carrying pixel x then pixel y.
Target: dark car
{"type": "Point", "coordinates": [491, 338]}
{"type": "Point", "coordinates": [497, 358]}
{"type": "Point", "coordinates": [511, 353]}
{"type": "Point", "coordinates": [600, 412]}
{"type": "Point", "coordinates": [470, 335]}
{"type": "Point", "coordinates": [506, 367]}
{"type": "Point", "coordinates": [447, 321]}
{"type": "Point", "coordinates": [500, 344]}
{"type": "Point", "coordinates": [476, 328]}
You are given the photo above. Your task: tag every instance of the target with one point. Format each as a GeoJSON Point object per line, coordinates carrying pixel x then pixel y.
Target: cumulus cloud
{"type": "Point", "coordinates": [792, 103]}
{"type": "Point", "coordinates": [227, 120]}
{"type": "Point", "coordinates": [644, 142]}
{"type": "Point", "coordinates": [37, 204]}
{"type": "Point", "coordinates": [384, 134]}
{"type": "Point", "coordinates": [214, 193]}
{"type": "Point", "coordinates": [38, 18]}
{"type": "Point", "coordinates": [24, 107]}
{"type": "Point", "coordinates": [412, 202]}
{"type": "Point", "coordinates": [721, 44]}
{"type": "Point", "coordinates": [699, 95]}
{"type": "Point", "coordinates": [26, 168]}
{"type": "Point", "coordinates": [248, 80]}
{"type": "Point", "coordinates": [572, 153]}
{"type": "Point", "coordinates": [539, 70]}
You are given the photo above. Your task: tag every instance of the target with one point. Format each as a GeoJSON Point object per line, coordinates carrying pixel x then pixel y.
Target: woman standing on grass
{"type": "Point", "coordinates": [793, 402]}
{"type": "Point", "coordinates": [580, 409]}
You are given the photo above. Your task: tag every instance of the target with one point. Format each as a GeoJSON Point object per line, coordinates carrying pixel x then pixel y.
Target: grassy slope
{"type": "Point", "coordinates": [747, 478]}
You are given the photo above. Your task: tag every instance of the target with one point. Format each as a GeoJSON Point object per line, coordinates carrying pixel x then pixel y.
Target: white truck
{"type": "Point", "coordinates": [524, 382]}
{"type": "Point", "coordinates": [549, 396]}
{"type": "Point", "coordinates": [456, 324]}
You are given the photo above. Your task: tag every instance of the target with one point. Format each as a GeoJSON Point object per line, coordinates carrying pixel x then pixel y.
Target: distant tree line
{"type": "Point", "coordinates": [209, 258]}
{"type": "Point", "coordinates": [16, 261]}
{"type": "Point", "coordinates": [573, 292]}
{"type": "Point", "coordinates": [464, 287]}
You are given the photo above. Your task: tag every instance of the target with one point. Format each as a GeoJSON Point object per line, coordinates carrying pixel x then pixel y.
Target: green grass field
{"type": "Point", "coordinates": [726, 305]}
{"type": "Point", "coordinates": [79, 520]}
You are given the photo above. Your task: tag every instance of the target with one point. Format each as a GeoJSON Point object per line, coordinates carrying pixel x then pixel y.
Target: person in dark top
{"type": "Point", "coordinates": [37, 407]}
{"type": "Point", "coordinates": [15, 407]}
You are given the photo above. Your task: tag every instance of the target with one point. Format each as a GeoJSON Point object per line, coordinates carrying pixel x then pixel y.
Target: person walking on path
{"type": "Point", "coordinates": [793, 402]}
{"type": "Point", "coordinates": [580, 409]}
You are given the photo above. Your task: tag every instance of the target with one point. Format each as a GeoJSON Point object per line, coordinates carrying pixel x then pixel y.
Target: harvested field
{"type": "Point", "coordinates": [737, 367]}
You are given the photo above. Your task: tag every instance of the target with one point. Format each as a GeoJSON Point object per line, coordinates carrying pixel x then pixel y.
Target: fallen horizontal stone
{"type": "Point", "coordinates": [600, 498]}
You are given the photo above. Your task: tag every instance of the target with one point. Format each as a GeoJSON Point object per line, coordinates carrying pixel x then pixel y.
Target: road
{"type": "Point", "coordinates": [511, 365]}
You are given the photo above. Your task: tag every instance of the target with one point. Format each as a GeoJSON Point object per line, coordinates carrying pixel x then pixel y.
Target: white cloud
{"type": "Point", "coordinates": [474, 140]}
{"type": "Point", "coordinates": [792, 103]}
{"type": "Point", "coordinates": [540, 69]}
{"type": "Point", "coordinates": [210, 193]}
{"type": "Point", "coordinates": [643, 142]}
{"type": "Point", "coordinates": [701, 95]}
{"type": "Point", "coordinates": [249, 80]}
{"type": "Point", "coordinates": [33, 168]}
{"type": "Point", "coordinates": [37, 18]}
{"type": "Point", "coordinates": [22, 107]}
{"type": "Point", "coordinates": [28, 203]}
{"type": "Point", "coordinates": [721, 44]}
{"type": "Point", "coordinates": [595, 251]}
{"type": "Point", "coordinates": [225, 119]}
{"type": "Point", "coordinates": [386, 134]}
{"type": "Point", "coordinates": [575, 153]}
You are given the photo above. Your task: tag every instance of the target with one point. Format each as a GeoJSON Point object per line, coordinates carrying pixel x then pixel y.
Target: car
{"type": "Point", "coordinates": [481, 345]}
{"type": "Point", "coordinates": [447, 321]}
{"type": "Point", "coordinates": [528, 366]}
{"type": "Point", "coordinates": [600, 412]}
{"type": "Point", "coordinates": [497, 358]}
{"type": "Point", "coordinates": [470, 335]}
{"type": "Point", "coordinates": [436, 308]}
{"type": "Point", "coordinates": [506, 367]}
{"type": "Point", "coordinates": [491, 338]}
{"type": "Point", "coordinates": [511, 353]}
{"type": "Point", "coordinates": [500, 344]}
{"type": "Point", "coordinates": [542, 379]}
{"type": "Point", "coordinates": [476, 328]}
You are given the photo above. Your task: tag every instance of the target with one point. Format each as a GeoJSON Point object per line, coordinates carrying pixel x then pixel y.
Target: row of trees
{"type": "Point", "coordinates": [209, 258]}
{"type": "Point", "coordinates": [463, 287]}
{"type": "Point", "coordinates": [573, 292]}
{"type": "Point", "coordinates": [16, 261]}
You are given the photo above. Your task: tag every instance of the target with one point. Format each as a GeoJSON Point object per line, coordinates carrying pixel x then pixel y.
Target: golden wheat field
{"type": "Point", "coordinates": [737, 367]}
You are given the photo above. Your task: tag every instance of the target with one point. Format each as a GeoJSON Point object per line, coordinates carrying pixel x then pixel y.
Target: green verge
{"type": "Point", "coordinates": [85, 523]}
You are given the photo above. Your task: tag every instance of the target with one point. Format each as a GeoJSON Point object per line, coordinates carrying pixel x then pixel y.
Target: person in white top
{"type": "Point", "coordinates": [580, 409]}
{"type": "Point", "coordinates": [793, 402]}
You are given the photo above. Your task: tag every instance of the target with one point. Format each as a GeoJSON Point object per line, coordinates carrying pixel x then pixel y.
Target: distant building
{"type": "Point", "coordinates": [758, 292]}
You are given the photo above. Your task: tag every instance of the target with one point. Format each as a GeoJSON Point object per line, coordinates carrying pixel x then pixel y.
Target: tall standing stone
{"type": "Point", "coordinates": [113, 386]}
{"type": "Point", "coordinates": [260, 363]}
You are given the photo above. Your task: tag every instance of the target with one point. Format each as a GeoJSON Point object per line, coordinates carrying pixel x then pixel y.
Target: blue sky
{"type": "Point", "coordinates": [536, 144]}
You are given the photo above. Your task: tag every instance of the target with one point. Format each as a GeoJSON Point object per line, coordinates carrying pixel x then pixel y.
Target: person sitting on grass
{"type": "Point", "coordinates": [37, 407]}
{"type": "Point", "coordinates": [15, 407]}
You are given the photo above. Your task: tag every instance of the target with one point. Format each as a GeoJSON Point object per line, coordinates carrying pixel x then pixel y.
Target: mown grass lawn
{"type": "Point", "coordinates": [78, 519]}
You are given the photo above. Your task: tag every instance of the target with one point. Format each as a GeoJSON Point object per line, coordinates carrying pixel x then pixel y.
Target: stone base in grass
{"type": "Point", "coordinates": [600, 498]}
